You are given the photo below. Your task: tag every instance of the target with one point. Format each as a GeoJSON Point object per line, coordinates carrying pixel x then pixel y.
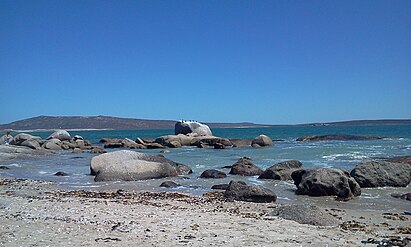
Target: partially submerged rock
{"type": "Point", "coordinates": [240, 191]}
{"type": "Point", "coordinates": [169, 184]}
{"type": "Point", "coordinates": [305, 214]}
{"type": "Point", "coordinates": [212, 173]}
{"type": "Point", "coordinates": [219, 187]}
{"type": "Point", "coordinates": [338, 138]}
{"type": "Point", "coordinates": [127, 165]}
{"type": "Point", "coordinates": [400, 159]}
{"type": "Point", "coordinates": [261, 141]}
{"type": "Point", "coordinates": [406, 196]}
{"type": "Point", "coordinates": [282, 170]}
{"type": "Point", "coordinates": [379, 173]}
{"type": "Point", "coordinates": [325, 182]}
{"type": "Point", "coordinates": [9, 152]}
{"type": "Point", "coordinates": [245, 167]}
{"type": "Point", "coordinates": [241, 142]}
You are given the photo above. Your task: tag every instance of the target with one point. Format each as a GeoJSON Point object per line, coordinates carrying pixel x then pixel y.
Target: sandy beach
{"type": "Point", "coordinates": [37, 213]}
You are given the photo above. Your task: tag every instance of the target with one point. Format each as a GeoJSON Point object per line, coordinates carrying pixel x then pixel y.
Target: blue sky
{"type": "Point", "coordinates": [278, 62]}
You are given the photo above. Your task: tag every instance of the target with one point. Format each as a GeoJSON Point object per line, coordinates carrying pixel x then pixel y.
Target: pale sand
{"type": "Point", "coordinates": [34, 213]}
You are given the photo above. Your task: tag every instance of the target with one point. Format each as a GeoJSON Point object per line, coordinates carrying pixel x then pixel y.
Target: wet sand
{"type": "Point", "coordinates": [38, 213]}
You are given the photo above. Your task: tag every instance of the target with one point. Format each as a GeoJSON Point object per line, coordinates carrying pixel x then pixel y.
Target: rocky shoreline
{"type": "Point", "coordinates": [38, 213]}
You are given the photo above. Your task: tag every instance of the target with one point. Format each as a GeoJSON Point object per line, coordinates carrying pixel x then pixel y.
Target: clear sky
{"type": "Point", "coordinates": [278, 62]}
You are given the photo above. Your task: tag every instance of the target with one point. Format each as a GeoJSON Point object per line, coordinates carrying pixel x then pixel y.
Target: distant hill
{"type": "Point", "coordinates": [103, 122]}
{"type": "Point", "coordinates": [363, 122]}
{"type": "Point", "coordinates": [106, 122]}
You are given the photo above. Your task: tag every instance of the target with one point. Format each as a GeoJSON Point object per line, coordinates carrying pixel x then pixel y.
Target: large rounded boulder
{"type": "Point", "coordinates": [20, 138]}
{"type": "Point", "coordinates": [128, 165]}
{"type": "Point", "coordinates": [378, 173]}
{"type": "Point", "coordinates": [240, 191]}
{"type": "Point", "coordinates": [62, 135]}
{"type": "Point", "coordinates": [245, 167]}
{"type": "Point", "coordinates": [187, 127]}
{"type": "Point", "coordinates": [325, 182]}
{"type": "Point", "coordinates": [282, 170]}
{"type": "Point", "coordinates": [261, 141]}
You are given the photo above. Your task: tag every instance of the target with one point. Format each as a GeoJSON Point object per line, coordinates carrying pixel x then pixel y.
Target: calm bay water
{"type": "Point", "coordinates": [338, 154]}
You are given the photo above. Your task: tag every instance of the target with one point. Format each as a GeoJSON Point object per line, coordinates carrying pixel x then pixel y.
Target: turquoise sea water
{"type": "Point", "coordinates": [339, 154]}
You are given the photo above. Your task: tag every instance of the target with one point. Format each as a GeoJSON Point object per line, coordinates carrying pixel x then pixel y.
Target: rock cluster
{"type": "Point", "coordinates": [59, 140]}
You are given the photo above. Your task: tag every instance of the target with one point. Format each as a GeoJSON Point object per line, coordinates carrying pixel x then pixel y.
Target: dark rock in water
{"type": "Point", "coordinates": [381, 173]}
{"type": "Point", "coordinates": [211, 173]}
{"type": "Point", "coordinates": [154, 146]}
{"type": "Point", "coordinates": [146, 140]}
{"type": "Point", "coordinates": [406, 196]}
{"type": "Point", "coordinates": [127, 143]}
{"type": "Point", "coordinates": [4, 168]}
{"type": "Point", "coordinates": [61, 174]}
{"type": "Point", "coordinates": [338, 138]}
{"type": "Point", "coordinates": [211, 141]}
{"type": "Point", "coordinates": [97, 150]}
{"type": "Point", "coordinates": [240, 191]}
{"type": "Point", "coordinates": [245, 167]}
{"type": "Point", "coordinates": [169, 184]}
{"type": "Point", "coordinates": [219, 146]}
{"type": "Point", "coordinates": [262, 141]}
{"type": "Point", "coordinates": [400, 159]}
{"type": "Point", "coordinates": [220, 187]}
{"type": "Point", "coordinates": [325, 182]}
{"type": "Point", "coordinates": [305, 214]}
{"type": "Point", "coordinates": [128, 165]}
{"type": "Point", "coordinates": [182, 169]}
{"type": "Point", "coordinates": [110, 140]}
{"type": "Point", "coordinates": [282, 170]}
{"type": "Point", "coordinates": [241, 142]}
{"type": "Point", "coordinates": [113, 145]}
{"type": "Point", "coordinates": [226, 167]}
{"type": "Point", "coordinates": [174, 144]}
{"type": "Point", "coordinates": [187, 127]}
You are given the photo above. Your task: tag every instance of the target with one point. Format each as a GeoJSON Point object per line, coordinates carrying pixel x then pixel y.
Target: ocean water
{"type": "Point", "coordinates": [338, 154]}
